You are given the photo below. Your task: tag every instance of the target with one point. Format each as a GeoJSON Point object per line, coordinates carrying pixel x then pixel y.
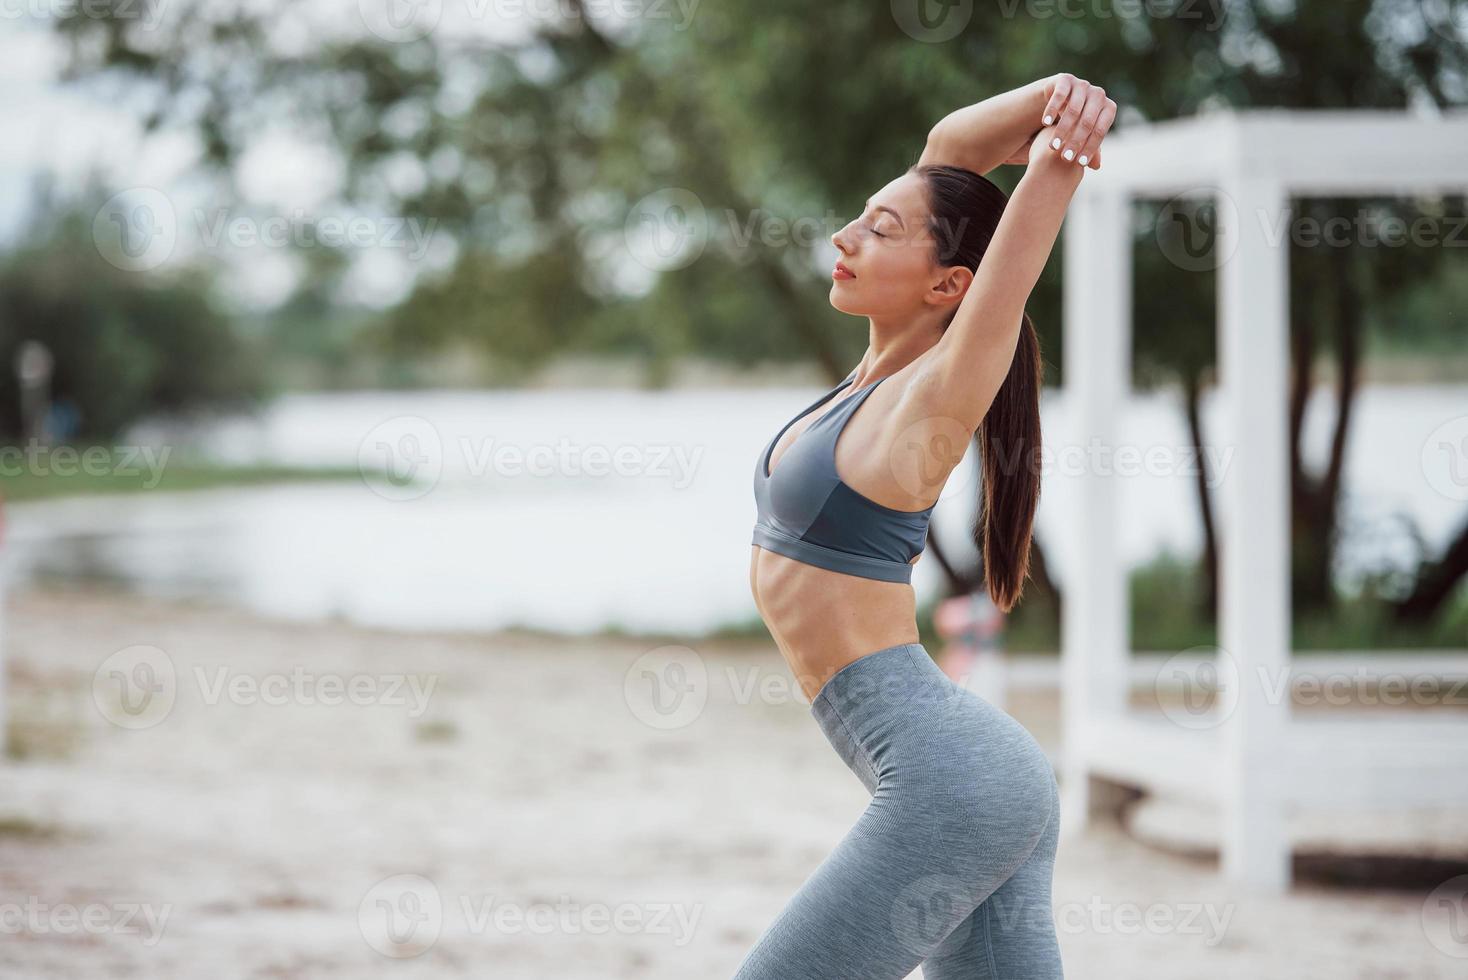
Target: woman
{"type": "Point", "coordinates": [949, 867]}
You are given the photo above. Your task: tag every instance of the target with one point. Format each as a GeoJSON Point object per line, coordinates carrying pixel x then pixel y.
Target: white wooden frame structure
{"type": "Point", "coordinates": [1253, 760]}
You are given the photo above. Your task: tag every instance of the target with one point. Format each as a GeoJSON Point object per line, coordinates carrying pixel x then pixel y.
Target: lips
{"type": "Point", "coordinates": [841, 272]}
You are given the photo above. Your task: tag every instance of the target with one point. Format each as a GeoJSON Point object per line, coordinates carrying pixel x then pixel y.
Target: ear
{"type": "Point", "coordinates": [950, 287]}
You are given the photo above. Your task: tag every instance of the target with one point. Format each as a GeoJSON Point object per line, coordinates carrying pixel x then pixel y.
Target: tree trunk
{"type": "Point", "coordinates": [1316, 502]}
{"type": "Point", "coordinates": [1436, 582]}
{"type": "Point", "coordinates": [1209, 599]}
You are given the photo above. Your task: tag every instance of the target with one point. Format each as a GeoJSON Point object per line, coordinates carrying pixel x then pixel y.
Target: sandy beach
{"type": "Point", "coordinates": [196, 792]}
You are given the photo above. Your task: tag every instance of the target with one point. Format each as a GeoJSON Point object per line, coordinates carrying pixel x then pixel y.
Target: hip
{"type": "Point", "coordinates": [909, 732]}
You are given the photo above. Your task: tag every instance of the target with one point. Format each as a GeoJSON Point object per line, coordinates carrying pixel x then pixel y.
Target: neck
{"type": "Point", "coordinates": [892, 344]}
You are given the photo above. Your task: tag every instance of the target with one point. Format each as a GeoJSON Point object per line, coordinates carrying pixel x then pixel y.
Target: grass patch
{"type": "Point", "coordinates": [35, 734]}
{"type": "Point", "coordinates": [437, 731]}
{"type": "Point", "coordinates": [66, 471]}
{"type": "Point", "coordinates": [24, 828]}
{"type": "Point", "coordinates": [45, 719]}
{"type": "Point", "coordinates": [1168, 613]}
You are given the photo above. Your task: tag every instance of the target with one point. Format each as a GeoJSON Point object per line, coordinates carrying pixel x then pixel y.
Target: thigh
{"type": "Point", "coordinates": [872, 910]}
{"type": "Point", "coordinates": [1011, 934]}
{"type": "Point", "coordinates": [902, 882]}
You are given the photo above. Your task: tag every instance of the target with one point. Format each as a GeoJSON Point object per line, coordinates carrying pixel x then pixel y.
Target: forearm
{"type": "Point", "coordinates": [978, 346]}
{"type": "Point", "coordinates": [981, 136]}
{"type": "Point", "coordinates": [1026, 234]}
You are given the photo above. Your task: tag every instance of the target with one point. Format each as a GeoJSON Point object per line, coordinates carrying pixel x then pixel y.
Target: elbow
{"type": "Point", "coordinates": [939, 146]}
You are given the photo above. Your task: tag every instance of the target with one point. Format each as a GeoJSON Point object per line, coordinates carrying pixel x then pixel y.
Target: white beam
{"type": "Point", "coordinates": [1308, 152]}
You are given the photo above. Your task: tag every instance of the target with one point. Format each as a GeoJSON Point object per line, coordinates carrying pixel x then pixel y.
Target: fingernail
{"type": "Point", "coordinates": [1055, 143]}
{"type": "Point", "coordinates": [1069, 154]}
{"type": "Point", "coordinates": [1084, 160]}
{"type": "Point", "coordinates": [1049, 119]}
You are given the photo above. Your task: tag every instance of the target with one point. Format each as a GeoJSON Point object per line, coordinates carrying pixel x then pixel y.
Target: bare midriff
{"type": "Point", "coordinates": [823, 620]}
{"type": "Point", "coordinates": [820, 619]}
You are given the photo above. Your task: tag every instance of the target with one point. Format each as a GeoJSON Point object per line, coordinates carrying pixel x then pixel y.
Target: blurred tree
{"type": "Point", "coordinates": [125, 344]}
{"type": "Point", "coordinates": [532, 141]}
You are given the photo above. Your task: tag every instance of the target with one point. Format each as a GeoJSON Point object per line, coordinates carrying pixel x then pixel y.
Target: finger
{"type": "Point", "coordinates": [1058, 98]}
{"type": "Point", "coordinates": [1091, 149]}
{"type": "Point", "coordinates": [1085, 141]}
{"type": "Point", "coordinates": [1069, 118]}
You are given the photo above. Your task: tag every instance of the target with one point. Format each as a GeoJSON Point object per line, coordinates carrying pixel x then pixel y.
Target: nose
{"type": "Point", "coordinates": [841, 239]}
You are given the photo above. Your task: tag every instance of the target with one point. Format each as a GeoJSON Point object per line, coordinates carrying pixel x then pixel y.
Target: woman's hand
{"type": "Point", "coordinates": [1081, 115]}
{"type": "Point", "coordinates": [1041, 158]}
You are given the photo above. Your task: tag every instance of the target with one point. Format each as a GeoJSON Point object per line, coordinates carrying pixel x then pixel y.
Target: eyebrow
{"type": "Point", "coordinates": [883, 207]}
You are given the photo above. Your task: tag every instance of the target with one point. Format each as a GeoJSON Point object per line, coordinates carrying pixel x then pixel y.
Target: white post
{"type": "Point", "coordinates": [1097, 337]}
{"type": "Point", "coordinates": [1254, 600]}
{"type": "Point", "coordinates": [4, 693]}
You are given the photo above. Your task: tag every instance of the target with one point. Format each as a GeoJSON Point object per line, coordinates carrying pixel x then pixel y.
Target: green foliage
{"type": "Point", "coordinates": [531, 151]}
{"type": "Point", "coordinates": [125, 344]}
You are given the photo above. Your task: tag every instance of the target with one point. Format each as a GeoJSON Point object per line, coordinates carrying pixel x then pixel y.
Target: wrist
{"type": "Point", "coordinates": [1050, 168]}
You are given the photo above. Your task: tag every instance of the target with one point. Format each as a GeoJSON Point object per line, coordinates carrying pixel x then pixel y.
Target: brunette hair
{"type": "Point", "coordinates": [966, 208]}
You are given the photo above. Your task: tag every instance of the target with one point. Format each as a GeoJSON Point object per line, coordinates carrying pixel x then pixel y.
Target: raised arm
{"type": "Point", "coordinates": [972, 359]}
{"type": "Point", "coordinates": [1000, 129]}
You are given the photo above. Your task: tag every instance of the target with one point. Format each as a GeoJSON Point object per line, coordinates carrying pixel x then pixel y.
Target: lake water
{"type": "Point", "coordinates": [575, 510]}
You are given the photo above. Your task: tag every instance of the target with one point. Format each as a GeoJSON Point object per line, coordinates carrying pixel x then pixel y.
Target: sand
{"type": "Point", "coordinates": [550, 819]}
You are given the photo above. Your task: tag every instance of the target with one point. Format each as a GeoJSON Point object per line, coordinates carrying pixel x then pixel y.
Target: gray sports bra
{"type": "Point", "coordinates": [806, 512]}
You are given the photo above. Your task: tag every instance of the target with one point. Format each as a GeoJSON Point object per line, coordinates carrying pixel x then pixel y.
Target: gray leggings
{"type": "Point", "coordinates": [949, 866]}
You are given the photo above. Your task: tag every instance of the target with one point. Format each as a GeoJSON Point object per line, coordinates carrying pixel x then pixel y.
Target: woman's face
{"type": "Point", "coordinates": [885, 265]}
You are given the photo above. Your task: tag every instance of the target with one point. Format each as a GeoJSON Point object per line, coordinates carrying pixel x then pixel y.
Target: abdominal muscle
{"type": "Point", "coordinates": [823, 620]}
